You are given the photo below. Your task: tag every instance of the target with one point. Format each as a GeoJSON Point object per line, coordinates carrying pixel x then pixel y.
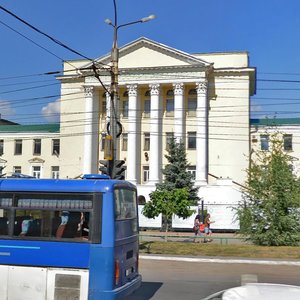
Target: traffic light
{"type": "Point", "coordinates": [118, 170]}
{"type": "Point", "coordinates": [104, 169]}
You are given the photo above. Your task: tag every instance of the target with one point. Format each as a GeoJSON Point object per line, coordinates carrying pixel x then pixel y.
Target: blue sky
{"type": "Point", "coordinates": [268, 29]}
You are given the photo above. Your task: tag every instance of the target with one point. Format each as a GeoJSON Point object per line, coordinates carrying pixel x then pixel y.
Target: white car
{"type": "Point", "coordinates": [259, 291]}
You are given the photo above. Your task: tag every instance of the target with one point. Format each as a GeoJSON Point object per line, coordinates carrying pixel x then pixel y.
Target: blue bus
{"type": "Point", "coordinates": [68, 239]}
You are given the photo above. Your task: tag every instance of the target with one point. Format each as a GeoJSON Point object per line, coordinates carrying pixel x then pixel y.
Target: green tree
{"type": "Point", "coordinates": [168, 203]}
{"type": "Point", "coordinates": [270, 213]}
{"type": "Point", "coordinates": [175, 172]}
{"type": "Point", "coordinates": [177, 192]}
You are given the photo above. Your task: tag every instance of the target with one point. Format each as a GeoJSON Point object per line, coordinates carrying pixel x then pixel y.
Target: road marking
{"type": "Point", "coordinates": [223, 260]}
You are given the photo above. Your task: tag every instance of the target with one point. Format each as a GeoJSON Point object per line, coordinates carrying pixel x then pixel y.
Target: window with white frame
{"type": "Point", "coordinates": [264, 142]}
{"type": "Point", "coordinates": [1, 147]}
{"type": "Point", "coordinates": [55, 147]}
{"type": "Point", "coordinates": [147, 105]}
{"type": "Point", "coordinates": [170, 103]}
{"type": "Point", "coordinates": [36, 171]}
{"type": "Point", "coordinates": [125, 105]}
{"type": "Point", "coordinates": [288, 142]}
{"type": "Point", "coordinates": [103, 135]}
{"type": "Point", "coordinates": [191, 143]}
{"type": "Point", "coordinates": [192, 171]}
{"type": "Point", "coordinates": [17, 169]}
{"type": "Point", "coordinates": [146, 141]}
{"type": "Point", "coordinates": [55, 172]}
{"type": "Point", "coordinates": [37, 146]}
{"type": "Point", "coordinates": [145, 174]}
{"type": "Point", "coordinates": [192, 103]}
{"type": "Point", "coordinates": [103, 104]}
{"type": "Point", "coordinates": [18, 147]}
{"type": "Point", "coordinates": [124, 141]}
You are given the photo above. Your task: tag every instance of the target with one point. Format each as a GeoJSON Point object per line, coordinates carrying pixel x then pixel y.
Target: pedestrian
{"type": "Point", "coordinates": [207, 230]}
{"type": "Point", "coordinates": [197, 224]}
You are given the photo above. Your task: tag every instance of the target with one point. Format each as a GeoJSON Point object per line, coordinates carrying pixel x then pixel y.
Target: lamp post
{"type": "Point", "coordinates": [114, 92]}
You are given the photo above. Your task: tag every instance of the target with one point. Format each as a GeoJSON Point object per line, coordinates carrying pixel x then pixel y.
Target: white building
{"type": "Point", "coordinates": [202, 98]}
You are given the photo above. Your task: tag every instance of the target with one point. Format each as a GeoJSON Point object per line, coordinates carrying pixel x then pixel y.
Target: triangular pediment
{"type": "Point", "coordinates": [36, 160]}
{"type": "Point", "coordinates": [145, 53]}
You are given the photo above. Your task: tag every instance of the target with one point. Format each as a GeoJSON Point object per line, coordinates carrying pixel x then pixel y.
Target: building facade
{"type": "Point", "coordinates": [30, 149]}
{"type": "Point", "coordinates": [200, 99]}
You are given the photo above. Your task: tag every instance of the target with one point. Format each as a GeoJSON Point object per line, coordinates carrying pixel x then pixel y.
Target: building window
{"type": "Point", "coordinates": [124, 141]}
{"type": "Point", "coordinates": [18, 147]}
{"type": "Point", "coordinates": [103, 135]}
{"type": "Point", "coordinates": [170, 103]}
{"type": "Point", "coordinates": [288, 142]}
{"type": "Point", "coordinates": [37, 146]}
{"type": "Point", "coordinates": [55, 172]}
{"type": "Point", "coordinates": [36, 171]}
{"type": "Point", "coordinates": [169, 137]}
{"type": "Point", "coordinates": [17, 169]}
{"type": "Point", "coordinates": [147, 105]}
{"type": "Point", "coordinates": [264, 142]}
{"type": "Point", "coordinates": [55, 147]}
{"type": "Point", "coordinates": [192, 171]}
{"type": "Point", "coordinates": [145, 174]}
{"type": "Point", "coordinates": [1, 147]}
{"type": "Point", "coordinates": [192, 103]}
{"type": "Point", "coordinates": [125, 105]}
{"type": "Point", "coordinates": [146, 141]}
{"type": "Point", "coordinates": [103, 106]}
{"type": "Point", "coordinates": [191, 140]}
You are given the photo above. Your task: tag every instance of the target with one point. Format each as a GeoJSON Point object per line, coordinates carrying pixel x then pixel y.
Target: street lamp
{"type": "Point", "coordinates": [114, 92]}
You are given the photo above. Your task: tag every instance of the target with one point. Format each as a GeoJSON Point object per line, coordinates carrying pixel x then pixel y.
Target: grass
{"type": "Point", "coordinates": [233, 250]}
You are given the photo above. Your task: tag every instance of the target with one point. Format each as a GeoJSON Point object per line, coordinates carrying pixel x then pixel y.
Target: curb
{"type": "Point", "coordinates": [222, 260]}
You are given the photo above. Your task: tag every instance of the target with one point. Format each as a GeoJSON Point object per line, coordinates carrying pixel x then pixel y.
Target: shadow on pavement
{"type": "Point", "coordinates": [145, 292]}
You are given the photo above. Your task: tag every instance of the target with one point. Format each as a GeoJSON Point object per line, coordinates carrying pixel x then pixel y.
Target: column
{"type": "Point", "coordinates": [202, 134]}
{"type": "Point", "coordinates": [178, 111]}
{"type": "Point", "coordinates": [155, 135]}
{"type": "Point", "coordinates": [132, 134]}
{"type": "Point", "coordinates": [91, 131]}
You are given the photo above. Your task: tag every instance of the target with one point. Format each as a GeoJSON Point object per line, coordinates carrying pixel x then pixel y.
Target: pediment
{"type": "Point", "coordinates": [36, 160]}
{"type": "Point", "coordinates": [145, 53]}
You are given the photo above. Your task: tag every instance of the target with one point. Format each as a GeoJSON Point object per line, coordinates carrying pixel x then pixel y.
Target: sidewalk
{"type": "Point", "coordinates": [222, 238]}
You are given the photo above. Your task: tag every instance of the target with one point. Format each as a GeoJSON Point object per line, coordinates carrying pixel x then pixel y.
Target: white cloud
{"type": "Point", "coordinates": [51, 111]}
{"type": "Point", "coordinates": [6, 110]}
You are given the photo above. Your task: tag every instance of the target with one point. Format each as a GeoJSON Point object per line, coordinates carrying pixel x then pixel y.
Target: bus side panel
{"type": "Point", "coordinates": [37, 253]}
{"type": "Point", "coordinates": [3, 281]}
{"type": "Point", "coordinates": [101, 271]}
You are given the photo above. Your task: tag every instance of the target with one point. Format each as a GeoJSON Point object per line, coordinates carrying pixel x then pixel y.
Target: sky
{"type": "Point", "coordinates": [269, 30]}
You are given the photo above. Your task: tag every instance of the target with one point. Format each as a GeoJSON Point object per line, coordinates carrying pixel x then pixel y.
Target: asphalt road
{"type": "Point", "coordinates": [169, 280]}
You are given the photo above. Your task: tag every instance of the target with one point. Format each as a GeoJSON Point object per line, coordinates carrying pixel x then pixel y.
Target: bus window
{"type": "Point", "coordinates": [52, 216]}
{"type": "Point", "coordinates": [5, 203]}
{"type": "Point", "coordinates": [126, 223]}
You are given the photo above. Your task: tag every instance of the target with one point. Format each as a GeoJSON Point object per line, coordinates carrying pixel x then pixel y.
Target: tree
{"type": "Point", "coordinates": [270, 213]}
{"type": "Point", "coordinates": [175, 172]}
{"type": "Point", "coordinates": [168, 203]}
{"type": "Point", "coordinates": [177, 192]}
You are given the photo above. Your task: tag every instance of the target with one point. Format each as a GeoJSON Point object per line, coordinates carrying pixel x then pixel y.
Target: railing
{"type": "Point", "coordinates": [187, 237]}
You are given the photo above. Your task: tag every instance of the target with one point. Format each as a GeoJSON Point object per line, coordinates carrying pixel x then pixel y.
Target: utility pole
{"type": "Point", "coordinates": [115, 127]}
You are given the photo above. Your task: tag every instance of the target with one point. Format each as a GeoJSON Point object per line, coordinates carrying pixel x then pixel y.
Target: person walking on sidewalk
{"type": "Point", "coordinates": [207, 230]}
{"type": "Point", "coordinates": [197, 224]}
